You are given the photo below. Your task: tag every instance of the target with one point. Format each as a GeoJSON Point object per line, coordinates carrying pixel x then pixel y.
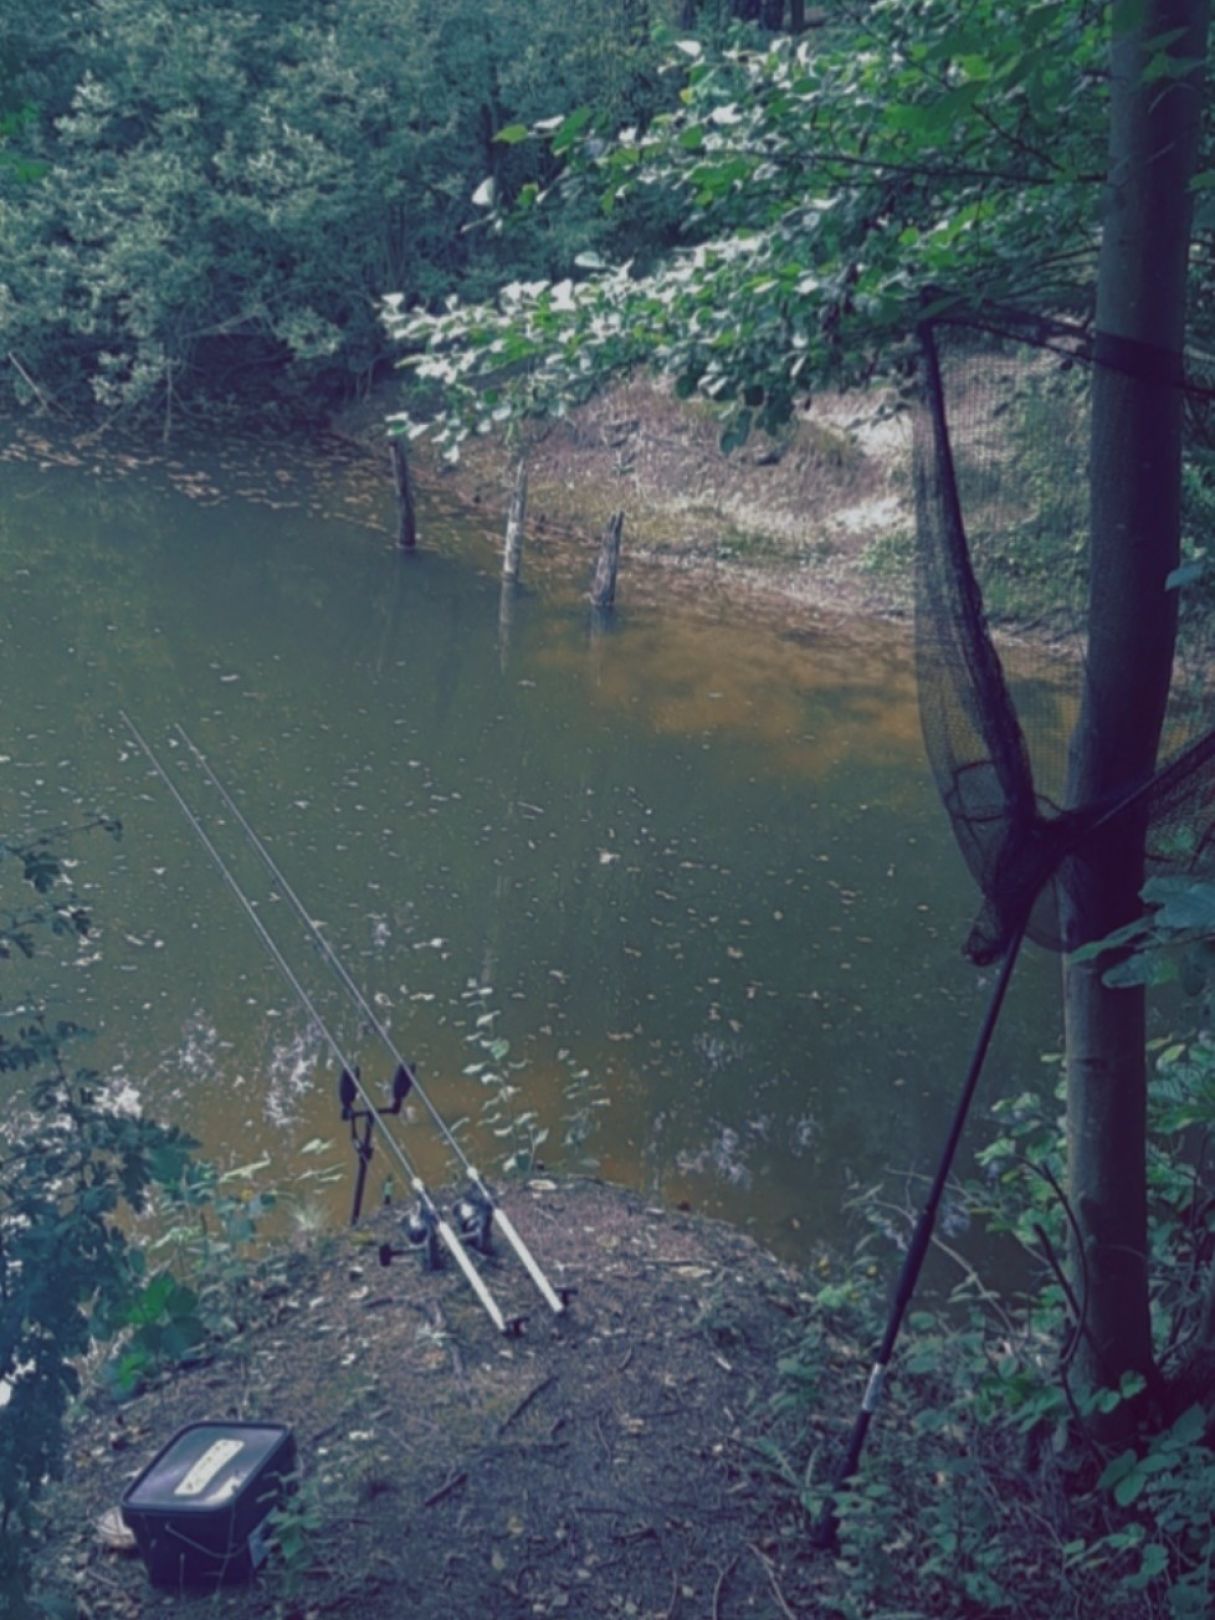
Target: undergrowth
{"type": "Point", "coordinates": [982, 1492]}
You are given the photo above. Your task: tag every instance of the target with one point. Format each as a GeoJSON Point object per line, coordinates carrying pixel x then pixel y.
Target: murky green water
{"type": "Point", "coordinates": [701, 861]}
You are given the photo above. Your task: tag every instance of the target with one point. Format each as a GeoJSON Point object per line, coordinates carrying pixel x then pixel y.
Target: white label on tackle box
{"type": "Point", "coordinates": [208, 1465]}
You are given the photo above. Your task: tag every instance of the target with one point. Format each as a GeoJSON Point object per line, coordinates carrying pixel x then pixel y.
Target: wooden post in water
{"type": "Point", "coordinates": [603, 586]}
{"type": "Point", "coordinates": [407, 530]}
{"type": "Point", "coordinates": [512, 551]}
{"type": "Point", "coordinates": [506, 621]}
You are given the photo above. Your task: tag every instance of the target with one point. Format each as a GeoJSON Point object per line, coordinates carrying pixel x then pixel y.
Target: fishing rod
{"type": "Point", "coordinates": [482, 1204]}
{"type": "Point", "coordinates": [438, 1228]}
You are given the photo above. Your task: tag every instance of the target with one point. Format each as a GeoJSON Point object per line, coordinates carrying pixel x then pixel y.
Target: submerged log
{"type": "Point", "coordinates": [603, 587]}
{"type": "Point", "coordinates": [407, 529]}
{"type": "Point", "coordinates": [512, 551]}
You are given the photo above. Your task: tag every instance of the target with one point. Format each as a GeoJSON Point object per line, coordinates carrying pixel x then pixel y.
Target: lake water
{"type": "Point", "coordinates": [694, 866]}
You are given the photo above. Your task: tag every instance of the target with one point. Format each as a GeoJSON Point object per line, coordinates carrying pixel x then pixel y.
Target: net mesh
{"type": "Point", "coordinates": [1002, 488]}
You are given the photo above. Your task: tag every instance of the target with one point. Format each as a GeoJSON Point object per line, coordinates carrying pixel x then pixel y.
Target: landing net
{"type": "Point", "coordinates": [1001, 466]}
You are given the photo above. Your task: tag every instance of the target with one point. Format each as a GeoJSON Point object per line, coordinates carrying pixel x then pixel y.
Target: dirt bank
{"type": "Point", "coordinates": [812, 519]}
{"type": "Point", "coordinates": [602, 1464]}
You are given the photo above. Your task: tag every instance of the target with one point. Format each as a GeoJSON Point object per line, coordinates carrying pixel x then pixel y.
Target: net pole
{"type": "Point", "coordinates": [826, 1528]}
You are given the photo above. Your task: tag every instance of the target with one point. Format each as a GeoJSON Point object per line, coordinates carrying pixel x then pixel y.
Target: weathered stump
{"type": "Point", "coordinates": [407, 528]}
{"type": "Point", "coordinates": [603, 586]}
{"type": "Point", "coordinates": [506, 621]}
{"type": "Point", "coordinates": [512, 551]}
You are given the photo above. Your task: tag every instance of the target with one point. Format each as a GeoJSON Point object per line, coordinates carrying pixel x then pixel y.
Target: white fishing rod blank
{"type": "Point", "coordinates": [450, 1241]}
{"type": "Point", "coordinates": [555, 1301]}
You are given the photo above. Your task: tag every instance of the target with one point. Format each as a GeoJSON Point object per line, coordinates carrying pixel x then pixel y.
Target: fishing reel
{"type": "Point", "coordinates": [474, 1217]}
{"type": "Point", "coordinates": [421, 1228]}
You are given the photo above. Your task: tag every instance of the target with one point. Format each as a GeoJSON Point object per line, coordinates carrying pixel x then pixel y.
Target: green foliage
{"type": "Point", "coordinates": [1032, 561]}
{"type": "Point", "coordinates": [227, 189]}
{"type": "Point", "coordinates": [296, 1527]}
{"type": "Point", "coordinates": [831, 192]}
{"type": "Point", "coordinates": [890, 555]}
{"type": "Point", "coordinates": [53, 905]}
{"type": "Point", "coordinates": [987, 1490]}
{"type": "Point", "coordinates": [69, 1162]}
{"type": "Point", "coordinates": [214, 1274]}
{"type": "Point", "coordinates": [979, 1494]}
{"type": "Point", "coordinates": [163, 1326]}
{"type": "Point", "coordinates": [1175, 940]}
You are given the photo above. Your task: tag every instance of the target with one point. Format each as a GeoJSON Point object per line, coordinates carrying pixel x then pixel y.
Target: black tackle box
{"type": "Point", "coordinates": [198, 1509]}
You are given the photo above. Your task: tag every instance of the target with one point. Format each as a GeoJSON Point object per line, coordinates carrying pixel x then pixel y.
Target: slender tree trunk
{"type": "Point", "coordinates": [797, 20]}
{"type": "Point", "coordinates": [1135, 472]}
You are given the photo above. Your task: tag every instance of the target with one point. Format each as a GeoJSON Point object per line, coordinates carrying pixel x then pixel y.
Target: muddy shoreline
{"type": "Point", "coordinates": [807, 524]}
{"type": "Point", "coordinates": [605, 1463]}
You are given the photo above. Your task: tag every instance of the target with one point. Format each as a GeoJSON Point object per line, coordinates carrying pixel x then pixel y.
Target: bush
{"type": "Point", "coordinates": [223, 191]}
{"type": "Point", "coordinates": [69, 1161]}
{"type": "Point", "coordinates": [981, 1493]}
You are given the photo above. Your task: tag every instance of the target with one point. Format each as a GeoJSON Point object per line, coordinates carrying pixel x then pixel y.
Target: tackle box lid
{"type": "Point", "coordinates": [205, 1466]}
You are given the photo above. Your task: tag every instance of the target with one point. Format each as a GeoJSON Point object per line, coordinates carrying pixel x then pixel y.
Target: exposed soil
{"type": "Point", "coordinates": [601, 1464]}
{"type": "Point", "coordinates": [816, 521]}
{"type": "Point", "coordinates": [805, 519]}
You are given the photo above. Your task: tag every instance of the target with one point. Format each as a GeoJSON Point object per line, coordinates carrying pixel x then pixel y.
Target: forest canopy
{"type": "Point", "coordinates": [209, 200]}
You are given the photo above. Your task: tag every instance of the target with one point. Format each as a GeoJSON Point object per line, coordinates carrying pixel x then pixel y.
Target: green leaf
{"type": "Point", "coordinates": [1192, 909]}
{"type": "Point", "coordinates": [1185, 575]}
{"type": "Point", "coordinates": [1189, 1428]}
{"type": "Point", "coordinates": [1117, 1470]}
{"type": "Point", "coordinates": [1154, 1562]}
{"type": "Point", "coordinates": [1151, 968]}
{"type": "Point", "coordinates": [570, 128]}
{"type": "Point", "coordinates": [512, 134]}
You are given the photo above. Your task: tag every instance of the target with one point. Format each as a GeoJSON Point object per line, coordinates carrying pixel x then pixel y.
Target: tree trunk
{"type": "Point", "coordinates": [1135, 473]}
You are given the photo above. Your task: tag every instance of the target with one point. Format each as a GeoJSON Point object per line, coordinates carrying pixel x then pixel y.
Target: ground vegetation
{"type": "Point", "coordinates": [71, 1159]}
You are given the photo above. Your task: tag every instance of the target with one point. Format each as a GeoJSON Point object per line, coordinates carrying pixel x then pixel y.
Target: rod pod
{"type": "Point", "coordinates": [450, 1241]}
{"type": "Point", "coordinates": [557, 1299]}
{"type": "Point", "coordinates": [362, 1125]}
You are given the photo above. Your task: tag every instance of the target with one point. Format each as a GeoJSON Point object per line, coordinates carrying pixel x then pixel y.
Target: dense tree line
{"type": "Point", "coordinates": [208, 197]}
